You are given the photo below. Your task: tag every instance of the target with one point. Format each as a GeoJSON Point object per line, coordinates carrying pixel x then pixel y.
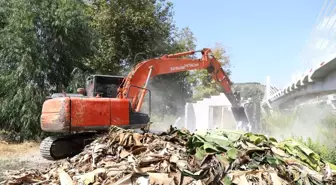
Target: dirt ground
{"type": "Point", "coordinates": [18, 156]}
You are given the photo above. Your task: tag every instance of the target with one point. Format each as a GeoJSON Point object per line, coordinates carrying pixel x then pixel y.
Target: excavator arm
{"type": "Point", "coordinates": [175, 63]}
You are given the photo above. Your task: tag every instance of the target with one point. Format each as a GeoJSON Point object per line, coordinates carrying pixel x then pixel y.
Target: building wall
{"type": "Point", "coordinates": [210, 113]}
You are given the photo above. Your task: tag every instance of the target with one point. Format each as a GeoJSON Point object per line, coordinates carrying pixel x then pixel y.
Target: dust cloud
{"type": "Point", "coordinates": [165, 112]}
{"type": "Point", "coordinates": [302, 122]}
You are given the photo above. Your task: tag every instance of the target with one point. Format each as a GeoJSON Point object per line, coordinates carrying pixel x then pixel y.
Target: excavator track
{"type": "Point", "coordinates": [56, 148]}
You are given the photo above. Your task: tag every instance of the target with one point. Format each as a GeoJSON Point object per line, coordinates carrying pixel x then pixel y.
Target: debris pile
{"type": "Point", "coordinates": [178, 157]}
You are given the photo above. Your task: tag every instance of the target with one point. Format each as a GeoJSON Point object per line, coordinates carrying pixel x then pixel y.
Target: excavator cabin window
{"type": "Point", "coordinates": [104, 85]}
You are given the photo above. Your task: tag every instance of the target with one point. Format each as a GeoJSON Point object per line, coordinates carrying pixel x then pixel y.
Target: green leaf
{"type": "Point", "coordinates": [256, 139]}
{"type": "Point", "coordinates": [226, 180]}
{"type": "Point", "coordinates": [257, 157]}
{"type": "Point", "coordinates": [232, 153]}
{"type": "Point", "coordinates": [210, 147]}
{"type": "Point", "coordinates": [223, 159]}
{"type": "Point", "coordinates": [221, 141]}
{"type": "Point", "coordinates": [196, 175]}
{"type": "Point", "coordinates": [271, 160]}
{"type": "Point", "coordinates": [253, 165]}
{"type": "Point", "coordinates": [200, 154]}
{"type": "Point", "coordinates": [304, 153]}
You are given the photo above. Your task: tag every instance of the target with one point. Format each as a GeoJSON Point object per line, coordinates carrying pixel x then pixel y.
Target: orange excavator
{"type": "Point", "coordinates": [115, 100]}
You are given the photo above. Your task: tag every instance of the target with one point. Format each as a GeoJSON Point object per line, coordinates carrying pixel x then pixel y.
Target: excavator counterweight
{"type": "Point", "coordinates": [116, 100]}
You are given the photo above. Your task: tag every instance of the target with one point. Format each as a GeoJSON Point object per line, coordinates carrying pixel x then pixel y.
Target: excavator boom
{"type": "Point", "coordinates": [174, 63]}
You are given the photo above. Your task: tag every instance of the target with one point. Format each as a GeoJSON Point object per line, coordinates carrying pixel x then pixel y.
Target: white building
{"type": "Point", "coordinates": [209, 113]}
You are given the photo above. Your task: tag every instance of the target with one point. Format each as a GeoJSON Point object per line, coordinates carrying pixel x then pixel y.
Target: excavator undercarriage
{"type": "Point", "coordinates": [60, 147]}
{"type": "Point", "coordinates": [69, 145]}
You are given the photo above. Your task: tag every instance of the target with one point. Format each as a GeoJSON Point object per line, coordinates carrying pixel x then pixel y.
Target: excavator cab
{"type": "Point", "coordinates": [103, 85]}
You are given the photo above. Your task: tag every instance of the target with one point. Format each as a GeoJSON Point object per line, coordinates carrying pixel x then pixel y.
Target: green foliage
{"type": "Point", "coordinates": [77, 80]}
{"type": "Point", "coordinates": [311, 125]}
{"type": "Point", "coordinates": [278, 122]}
{"type": "Point", "coordinates": [324, 146]}
{"type": "Point", "coordinates": [326, 152]}
{"type": "Point", "coordinates": [41, 43]}
{"type": "Point", "coordinates": [4, 13]}
{"type": "Point", "coordinates": [64, 40]}
{"type": "Point", "coordinates": [129, 30]}
{"type": "Point", "coordinates": [255, 91]}
{"type": "Point", "coordinates": [204, 87]}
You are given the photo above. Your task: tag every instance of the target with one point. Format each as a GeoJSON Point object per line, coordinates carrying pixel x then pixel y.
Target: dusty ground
{"type": "Point", "coordinates": [17, 156]}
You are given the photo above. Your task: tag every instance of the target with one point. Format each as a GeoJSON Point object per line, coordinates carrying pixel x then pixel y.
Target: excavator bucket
{"type": "Point", "coordinates": [240, 115]}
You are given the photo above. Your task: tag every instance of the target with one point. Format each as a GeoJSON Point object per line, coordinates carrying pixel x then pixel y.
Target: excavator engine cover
{"type": "Point", "coordinates": [73, 114]}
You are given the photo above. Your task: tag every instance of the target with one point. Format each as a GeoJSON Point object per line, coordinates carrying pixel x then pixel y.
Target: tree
{"type": "Point", "coordinates": [184, 40]}
{"type": "Point", "coordinates": [129, 31]}
{"type": "Point", "coordinates": [252, 90]}
{"type": "Point", "coordinates": [41, 43]}
{"type": "Point", "coordinates": [132, 31]}
{"type": "Point", "coordinates": [202, 86]}
{"type": "Point", "coordinates": [172, 91]}
{"type": "Point", "coordinates": [4, 12]}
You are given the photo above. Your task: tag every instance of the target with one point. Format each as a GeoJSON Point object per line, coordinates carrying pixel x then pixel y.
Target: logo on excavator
{"type": "Point", "coordinates": [177, 68]}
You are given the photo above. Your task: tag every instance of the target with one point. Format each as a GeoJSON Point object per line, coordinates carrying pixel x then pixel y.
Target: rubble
{"type": "Point", "coordinates": [177, 157]}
